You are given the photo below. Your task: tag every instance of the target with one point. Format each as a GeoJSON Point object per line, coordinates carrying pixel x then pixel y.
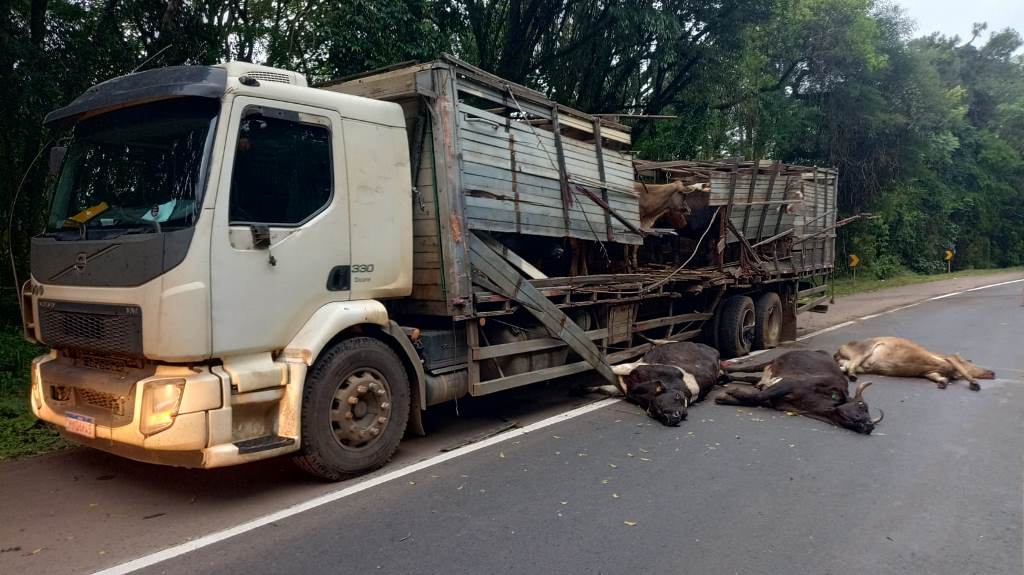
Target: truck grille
{"type": "Point", "coordinates": [106, 401]}
{"type": "Point", "coordinates": [114, 329]}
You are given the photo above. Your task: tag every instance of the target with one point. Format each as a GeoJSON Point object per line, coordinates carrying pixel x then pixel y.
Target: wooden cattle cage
{"type": "Point", "coordinates": [496, 163]}
{"type": "Point", "coordinates": [495, 156]}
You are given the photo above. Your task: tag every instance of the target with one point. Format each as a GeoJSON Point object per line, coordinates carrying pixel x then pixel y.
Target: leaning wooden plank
{"type": "Point", "coordinates": [512, 257]}
{"type": "Point", "coordinates": [501, 273]}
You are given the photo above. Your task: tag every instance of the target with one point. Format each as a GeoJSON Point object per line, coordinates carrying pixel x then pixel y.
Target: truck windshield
{"type": "Point", "coordinates": [138, 169]}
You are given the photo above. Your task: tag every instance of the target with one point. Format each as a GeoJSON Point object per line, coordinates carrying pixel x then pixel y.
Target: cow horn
{"type": "Point", "coordinates": [860, 390]}
{"type": "Point", "coordinates": [877, 420]}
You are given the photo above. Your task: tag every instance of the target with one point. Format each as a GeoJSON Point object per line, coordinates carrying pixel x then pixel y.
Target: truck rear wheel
{"type": "Point", "coordinates": [355, 406]}
{"type": "Point", "coordinates": [768, 321]}
{"type": "Point", "coordinates": [736, 326]}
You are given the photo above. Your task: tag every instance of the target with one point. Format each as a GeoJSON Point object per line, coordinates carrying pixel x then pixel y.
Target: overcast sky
{"type": "Point", "coordinates": [956, 16]}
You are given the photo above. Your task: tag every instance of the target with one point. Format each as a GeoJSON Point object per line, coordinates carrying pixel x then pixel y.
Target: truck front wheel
{"type": "Point", "coordinates": [355, 406]}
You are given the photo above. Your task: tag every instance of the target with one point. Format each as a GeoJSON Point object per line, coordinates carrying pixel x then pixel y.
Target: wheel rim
{"type": "Point", "coordinates": [773, 329]}
{"type": "Point", "coordinates": [747, 332]}
{"type": "Point", "coordinates": [361, 409]}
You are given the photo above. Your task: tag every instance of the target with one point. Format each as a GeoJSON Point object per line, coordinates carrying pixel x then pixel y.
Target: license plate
{"type": "Point", "coordinates": [81, 425]}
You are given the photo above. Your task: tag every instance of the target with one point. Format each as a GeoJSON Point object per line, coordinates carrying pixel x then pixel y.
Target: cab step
{"type": "Point", "coordinates": [263, 443]}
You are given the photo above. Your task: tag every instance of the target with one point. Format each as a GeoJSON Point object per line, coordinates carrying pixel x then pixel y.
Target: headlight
{"type": "Point", "coordinates": [160, 401]}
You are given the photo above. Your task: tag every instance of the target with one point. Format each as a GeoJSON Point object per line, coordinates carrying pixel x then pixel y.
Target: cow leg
{"type": "Point", "coordinates": [960, 369]}
{"type": "Point", "coordinates": [938, 378]}
{"type": "Point", "coordinates": [751, 378]}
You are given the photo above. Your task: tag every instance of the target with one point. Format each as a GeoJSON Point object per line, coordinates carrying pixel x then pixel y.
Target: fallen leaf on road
{"type": "Point", "coordinates": [642, 450]}
{"type": "Point", "coordinates": [501, 454]}
{"type": "Point", "coordinates": [555, 437]}
{"type": "Point", "coordinates": [613, 466]}
{"type": "Point", "coordinates": [101, 552]}
{"type": "Point", "coordinates": [629, 455]}
{"type": "Point", "coordinates": [604, 482]}
{"type": "Point", "coordinates": [792, 445]}
{"type": "Point", "coordinates": [792, 413]}
{"type": "Point", "coordinates": [615, 495]}
{"type": "Point", "coordinates": [36, 551]}
{"type": "Point", "coordinates": [630, 523]}
{"type": "Point", "coordinates": [644, 459]}
{"type": "Point", "coordinates": [412, 483]}
{"type": "Point", "coordinates": [564, 502]}
{"type": "Point", "coordinates": [154, 516]}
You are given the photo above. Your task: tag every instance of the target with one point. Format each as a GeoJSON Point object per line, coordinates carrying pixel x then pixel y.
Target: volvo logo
{"type": "Point", "coordinates": [80, 260]}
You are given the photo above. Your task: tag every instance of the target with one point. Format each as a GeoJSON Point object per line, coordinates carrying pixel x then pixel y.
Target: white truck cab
{"type": "Point", "coordinates": [213, 231]}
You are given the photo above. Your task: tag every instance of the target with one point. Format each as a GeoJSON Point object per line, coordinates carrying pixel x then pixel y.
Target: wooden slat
{"type": "Point", "coordinates": [663, 321]}
{"type": "Point", "coordinates": [538, 344]}
{"type": "Point", "coordinates": [514, 286]}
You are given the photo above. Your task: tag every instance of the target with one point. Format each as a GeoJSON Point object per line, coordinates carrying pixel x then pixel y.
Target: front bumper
{"type": "Point", "coordinates": [201, 435]}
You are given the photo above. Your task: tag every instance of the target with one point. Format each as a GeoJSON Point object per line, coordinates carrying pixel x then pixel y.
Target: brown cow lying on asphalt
{"type": "Point", "coordinates": [900, 357]}
{"type": "Point", "coordinates": [670, 378]}
{"type": "Point", "coordinates": [806, 382]}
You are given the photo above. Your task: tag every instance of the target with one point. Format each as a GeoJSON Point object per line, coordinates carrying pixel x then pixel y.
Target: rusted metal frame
{"type": "Point", "coordinates": [750, 195]}
{"type": "Point", "coordinates": [604, 184]}
{"type": "Point", "coordinates": [539, 344]}
{"type": "Point", "coordinates": [512, 168]}
{"type": "Point", "coordinates": [767, 198]}
{"type": "Point", "coordinates": [473, 342]}
{"type": "Point", "coordinates": [515, 286]}
{"type": "Point", "coordinates": [451, 206]}
{"type": "Point", "coordinates": [563, 174]}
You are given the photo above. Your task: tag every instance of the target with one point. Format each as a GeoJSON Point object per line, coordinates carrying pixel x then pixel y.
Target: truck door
{"type": "Point", "coordinates": [280, 244]}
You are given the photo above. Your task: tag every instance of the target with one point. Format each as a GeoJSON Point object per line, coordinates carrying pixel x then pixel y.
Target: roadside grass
{"type": "Point", "coordinates": [20, 432]}
{"type": "Point", "coordinates": [865, 283]}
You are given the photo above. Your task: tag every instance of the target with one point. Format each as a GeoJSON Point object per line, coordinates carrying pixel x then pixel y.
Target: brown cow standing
{"type": "Point", "coordinates": [657, 200]}
{"type": "Point", "coordinates": [900, 357]}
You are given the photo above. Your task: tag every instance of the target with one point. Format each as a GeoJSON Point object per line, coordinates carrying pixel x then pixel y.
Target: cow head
{"type": "Point", "coordinates": [656, 388]}
{"type": "Point", "coordinates": [853, 413]}
{"type": "Point", "coordinates": [668, 407]}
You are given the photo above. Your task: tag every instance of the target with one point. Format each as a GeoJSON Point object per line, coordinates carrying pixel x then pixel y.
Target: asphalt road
{"type": "Point", "coordinates": [937, 489]}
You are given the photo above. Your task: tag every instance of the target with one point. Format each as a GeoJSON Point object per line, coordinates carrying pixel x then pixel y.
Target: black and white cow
{"type": "Point", "coordinates": [669, 378]}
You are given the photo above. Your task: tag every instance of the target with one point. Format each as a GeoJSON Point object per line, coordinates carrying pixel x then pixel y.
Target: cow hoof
{"type": "Point", "coordinates": [940, 385]}
{"type": "Point", "coordinates": [975, 387]}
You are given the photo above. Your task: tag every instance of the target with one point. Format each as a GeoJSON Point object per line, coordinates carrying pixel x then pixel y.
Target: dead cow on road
{"type": "Point", "coordinates": [669, 378]}
{"type": "Point", "coordinates": [806, 382]}
{"type": "Point", "coordinates": [900, 357]}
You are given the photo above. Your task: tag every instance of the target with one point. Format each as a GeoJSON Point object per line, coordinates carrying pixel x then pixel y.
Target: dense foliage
{"type": "Point", "coordinates": [927, 133]}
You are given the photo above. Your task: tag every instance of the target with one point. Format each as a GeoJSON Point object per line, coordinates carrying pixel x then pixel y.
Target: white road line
{"type": "Point", "coordinates": [826, 330]}
{"type": "Point", "coordinates": [216, 537]}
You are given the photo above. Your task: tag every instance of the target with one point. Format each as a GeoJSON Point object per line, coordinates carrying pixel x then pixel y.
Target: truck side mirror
{"type": "Point", "coordinates": [57, 154]}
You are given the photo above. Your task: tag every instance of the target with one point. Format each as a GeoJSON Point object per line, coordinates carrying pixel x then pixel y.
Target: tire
{"type": "Point", "coordinates": [339, 441]}
{"type": "Point", "coordinates": [768, 321]}
{"type": "Point", "coordinates": [736, 326]}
